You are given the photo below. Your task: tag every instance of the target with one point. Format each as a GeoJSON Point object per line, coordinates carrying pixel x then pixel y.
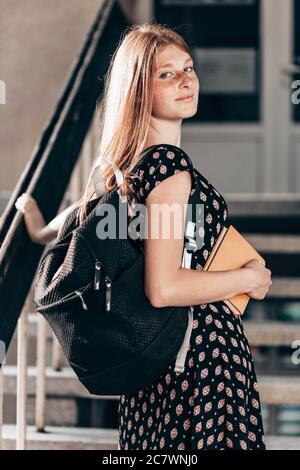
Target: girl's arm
{"type": "Point", "coordinates": [35, 223]}
{"type": "Point", "coordinates": [166, 282]}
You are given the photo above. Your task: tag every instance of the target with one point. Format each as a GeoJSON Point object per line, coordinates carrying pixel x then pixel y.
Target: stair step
{"type": "Point", "coordinates": [267, 204]}
{"type": "Point", "coordinates": [58, 383]}
{"type": "Point", "coordinates": [32, 325]}
{"type": "Point", "coordinates": [63, 438]}
{"type": "Point", "coordinates": [259, 333]}
{"type": "Point", "coordinates": [279, 390]}
{"type": "Point", "coordinates": [288, 287]}
{"type": "Point", "coordinates": [275, 389]}
{"type": "Point", "coordinates": [282, 443]}
{"type": "Point", "coordinates": [271, 333]}
{"type": "Point", "coordinates": [274, 243]}
{"type": "Point", "coordinates": [69, 438]}
{"type": "Point", "coordinates": [32, 320]}
{"type": "Point", "coordinates": [59, 411]}
{"type": "Point", "coordinates": [66, 411]}
{"type": "Point", "coordinates": [11, 356]}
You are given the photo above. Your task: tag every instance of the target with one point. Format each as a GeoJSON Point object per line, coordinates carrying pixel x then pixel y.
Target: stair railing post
{"type": "Point", "coordinates": [40, 392]}
{"type": "Point", "coordinates": [56, 354]}
{"type": "Point", "coordinates": [21, 425]}
{"type": "Point", "coordinates": [1, 408]}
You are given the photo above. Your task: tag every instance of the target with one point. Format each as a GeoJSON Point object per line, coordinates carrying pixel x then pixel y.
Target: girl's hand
{"type": "Point", "coordinates": [37, 229]}
{"type": "Point", "coordinates": [260, 277]}
{"type": "Point", "coordinates": [33, 217]}
{"type": "Point", "coordinates": [27, 204]}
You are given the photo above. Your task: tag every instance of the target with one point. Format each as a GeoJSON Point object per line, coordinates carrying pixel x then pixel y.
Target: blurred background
{"type": "Point", "coordinates": [245, 139]}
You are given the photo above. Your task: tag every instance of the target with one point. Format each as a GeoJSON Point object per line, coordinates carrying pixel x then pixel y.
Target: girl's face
{"type": "Point", "coordinates": [174, 78]}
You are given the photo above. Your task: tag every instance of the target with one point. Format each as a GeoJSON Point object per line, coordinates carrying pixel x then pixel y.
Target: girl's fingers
{"type": "Point", "coordinates": [19, 204]}
{"type": "Point", "coordinates": [24, 202]}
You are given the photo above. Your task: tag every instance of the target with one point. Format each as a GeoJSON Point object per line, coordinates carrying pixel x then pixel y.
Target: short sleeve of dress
{"type": "Point", "coordinates": [157, 165]}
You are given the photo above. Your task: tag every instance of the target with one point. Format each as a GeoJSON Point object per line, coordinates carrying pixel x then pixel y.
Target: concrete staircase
{"type": "Point", "coordinates": [64, 393]}
{"type": "Point", "coordinates": [274, 389]}
{"type": "Point", "coordinates": [71, 411]}
{"type": "Point", "coordinates": [70, 438]}
{"type": "Point", "coordinates": [63, 438]}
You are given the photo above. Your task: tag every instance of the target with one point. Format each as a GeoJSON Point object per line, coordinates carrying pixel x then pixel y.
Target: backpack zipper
{"type": "Point", "coordinates": [108, 284]}
{"type": "Point", "coordinates": [97, 275]}
{"type": "Point", "coordinates": [66, 298]}
{"type": "Point", "coordinates": [97, 279]}
{"type": "Point", "coordinates": [84, 305]}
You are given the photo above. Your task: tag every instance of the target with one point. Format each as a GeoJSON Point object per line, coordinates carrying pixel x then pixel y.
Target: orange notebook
{"type": "Point", "coordinates": [231, 251]}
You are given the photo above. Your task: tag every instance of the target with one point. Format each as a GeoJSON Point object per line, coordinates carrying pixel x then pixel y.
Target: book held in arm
{"type": "Point", "coordinates": [232, 251]}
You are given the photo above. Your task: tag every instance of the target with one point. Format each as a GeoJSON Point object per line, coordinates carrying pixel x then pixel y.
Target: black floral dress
{"type": "Point", "coordinates": [214, 403]}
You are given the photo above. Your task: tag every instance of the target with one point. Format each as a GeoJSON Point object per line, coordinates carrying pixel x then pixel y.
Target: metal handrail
{"type": "Point", "coordinates": [64, 135]}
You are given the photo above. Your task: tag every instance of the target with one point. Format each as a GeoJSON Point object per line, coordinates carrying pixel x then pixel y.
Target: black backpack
{"type": "Point", "coordinates": [91, 292]}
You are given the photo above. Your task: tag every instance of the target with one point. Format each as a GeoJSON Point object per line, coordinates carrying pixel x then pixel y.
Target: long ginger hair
{"type": "Point", "coordinates": [126, 103]}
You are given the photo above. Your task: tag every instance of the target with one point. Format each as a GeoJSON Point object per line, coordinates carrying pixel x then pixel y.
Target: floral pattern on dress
{"type": "Point", "coordinates": [214, 403]}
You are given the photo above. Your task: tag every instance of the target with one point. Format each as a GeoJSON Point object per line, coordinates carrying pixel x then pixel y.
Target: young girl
{"type": "Point", "coordinates": [214, 403]}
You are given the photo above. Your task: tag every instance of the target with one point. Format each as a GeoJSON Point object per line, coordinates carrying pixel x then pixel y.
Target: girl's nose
{"type": "Point", "coordinates": [185, 79]}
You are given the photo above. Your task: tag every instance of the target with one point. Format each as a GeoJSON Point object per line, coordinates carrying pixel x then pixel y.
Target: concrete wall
{"type": "Point", "coordinates": [39, 40]}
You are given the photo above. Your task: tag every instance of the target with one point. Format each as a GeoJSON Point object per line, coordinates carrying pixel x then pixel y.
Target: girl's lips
{"type": "Point", "coordinates": [189, 98]}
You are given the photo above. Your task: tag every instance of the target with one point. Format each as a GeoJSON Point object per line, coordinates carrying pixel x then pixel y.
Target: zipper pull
{"type": "Point", "coordinates": [84, 305]}
{"type": "Point", "coordinates": [97, 275]}
{"type": "Point", "coordinates": [108, 293]}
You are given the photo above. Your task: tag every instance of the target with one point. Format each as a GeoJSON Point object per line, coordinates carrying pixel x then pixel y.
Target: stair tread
{"type": "Point", "coordinates": [58, 436]}
{"type": "Point", "coordinates": [61, 433]}
{"type": "Point", "coordinates": [288, 287]}
{"type": "Point", "coordinates": [68, 373]}
{"type": "Point", "coordinates": [279, 390]}
{"type": "Point", "coordinates": [279, 379]}
{"type": "Point", "coordinates": [274, 243]}
{"type": "Point", "coordinates": [282, 442]}
{"type": "Point", "coordinates": [271, 333]}
{"type": "Point", "coordinates": [63, 382]}
{"type": "Point", "coordinates": [274, 389]}
{"type": "Point", "coordinates": [65, 372]}
{"type": "Point", "coordinates": [62, 438]}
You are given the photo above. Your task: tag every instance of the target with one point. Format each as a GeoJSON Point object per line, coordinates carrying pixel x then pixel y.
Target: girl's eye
{"type": "Point", "coordinates": [162, 75]}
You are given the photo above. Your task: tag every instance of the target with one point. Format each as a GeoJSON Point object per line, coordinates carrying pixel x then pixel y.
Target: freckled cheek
{"type": "Point", "coordinates": [161, 101]}
{"type": "Point", "coordinates": [162, 97]}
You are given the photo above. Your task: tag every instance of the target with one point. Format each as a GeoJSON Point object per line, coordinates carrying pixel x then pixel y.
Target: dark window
{"type": "Point", "coordinates": [224, 37]}
{"type": "Point", "coordinates": [296, 108]}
